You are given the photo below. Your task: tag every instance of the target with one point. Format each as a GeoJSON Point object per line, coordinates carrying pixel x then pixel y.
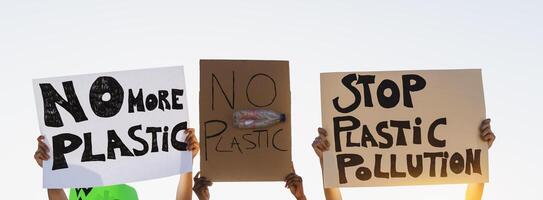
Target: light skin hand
{"type": "Point", "coordinates": [320, 145]}
{"type": "Point", "coordinates": [192, 143]}
{"type": "Point", "coordinates": [184, 186]}
{"type": "Point", "coordinates": [475, 190]}
{"type": "Point", "coordinates": [41, 154]}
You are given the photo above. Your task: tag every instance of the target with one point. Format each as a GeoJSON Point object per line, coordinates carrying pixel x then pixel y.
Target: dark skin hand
{"type": "Point", "coordinates": [201, 185]}
{"type": "Point", "coordinates": [486, 132]}
{"type": "Point", "coordinates": [294, 183]}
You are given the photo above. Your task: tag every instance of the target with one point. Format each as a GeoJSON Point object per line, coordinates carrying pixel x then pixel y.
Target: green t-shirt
{"type": "Point", "coordinates": [113, 192]}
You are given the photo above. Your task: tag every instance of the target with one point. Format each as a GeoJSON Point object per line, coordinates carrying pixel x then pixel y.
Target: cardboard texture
{"type": "Point", "coordinates": [232, 154]}
{"type": "Point", "coordinates": [97, 138]}
{"type": "Point", "coordinates": [456, 95]}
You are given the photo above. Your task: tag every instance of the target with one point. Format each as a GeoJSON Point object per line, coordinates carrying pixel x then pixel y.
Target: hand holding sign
{"type": "Point", "coordinates": [42, 153]}
{"type": "Point", "coordinates": [201, 185]}
{"type": "Point", "coordinates": [294, 183]}
{"type": "Point", "coordinates": [486, 133]}
{"type": "Point", "coordinates": [321, 144]}
{"type": "Point", "coordinates": [192, 143]}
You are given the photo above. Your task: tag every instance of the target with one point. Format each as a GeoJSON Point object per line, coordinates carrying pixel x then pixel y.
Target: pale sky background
{"type": "Point", "coordinates": [504, 38]}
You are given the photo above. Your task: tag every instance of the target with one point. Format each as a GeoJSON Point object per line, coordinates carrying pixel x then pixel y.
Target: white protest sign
{"type": "Point", "coordinates": [111, 128]}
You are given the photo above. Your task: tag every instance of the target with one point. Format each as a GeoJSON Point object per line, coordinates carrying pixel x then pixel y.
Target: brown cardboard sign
{"type": "Point", "coordinates": [403, 128]}
{"type": "Point", "coordinates": [229, 153]}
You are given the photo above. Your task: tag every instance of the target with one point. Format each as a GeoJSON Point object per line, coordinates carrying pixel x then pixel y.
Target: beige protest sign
{"type": "Point", "coordinates": [230, 153]}
{"type": "Point", "coordinates": [403, 128]}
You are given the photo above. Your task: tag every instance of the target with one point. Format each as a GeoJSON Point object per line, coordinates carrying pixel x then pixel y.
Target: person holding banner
{"type": "Point", "coordinates": [121, 191]}
{"type": "Point", "coordinates": [474, 190]}
{"type": "Point", "coordinates": [292, 181]}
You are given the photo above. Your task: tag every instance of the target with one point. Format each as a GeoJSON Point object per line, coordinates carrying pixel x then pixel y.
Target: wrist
{"type": "Point", "coordinates": [301, 198]}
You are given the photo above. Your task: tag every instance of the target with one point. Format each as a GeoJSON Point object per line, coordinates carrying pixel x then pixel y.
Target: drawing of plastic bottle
{"type": "Point", "coordinates": [258, 118]}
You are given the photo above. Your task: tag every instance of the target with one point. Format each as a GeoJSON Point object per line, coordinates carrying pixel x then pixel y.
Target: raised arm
{"type": "Point", "coordinates": [184, 187]}
{"type": "Point", "coordinates": [475, 190]}
{"type": "Point", "coordinates": [42, 153]}
{"type": "Point", "coordinates": [321, 144]}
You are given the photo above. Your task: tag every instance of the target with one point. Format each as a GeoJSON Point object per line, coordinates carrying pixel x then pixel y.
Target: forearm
{"type": "Point", "coordinates": [184, 187]}
{"type": "Point", "coordinates": [331, 193]}
{"type": "Point", "coordinates": [56, 194]}
{"type": "Point", "coordinates": [475, 191]}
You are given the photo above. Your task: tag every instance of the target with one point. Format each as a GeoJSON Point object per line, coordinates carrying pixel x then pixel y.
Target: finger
{"type": "Point", "coordinates": [314, 143]}
{"type": "Point", "coordinates": [43, 147]}
{"type": "Point", "coordinates": [322, 132]}
{"type": "Point", "coordinates": [486, 132]}
{"type": "Point", "coordinates": [189, 131]}
{"type": "Point", "coordinates": [490, 138]}
{"type": "Point", "coordinates": [325, 144]}
{"type": "Point", "coordinates": [203, 178]}
{"type": "Point", "coordinates": [288, 176]}
{"type": "Point", "coordinates": [40, 138]}
{"type": "Point", "coordinates": [318, 152]}
{"type": "Point", "coordinates": [187, 139]}
{"type": "Point", "coordinates": [316, 140]}
{"type": "Point", "coordinates": [291, 176]}
{"type": "Point", "coordinates": [191, 139]}
{"type": "Point", "coordinates": [321, 146]}
{"type": "Point", "coordinates": [288, 179]}
{"type": "Point", "coordinates": [194, 147]}
{"type": "Point", "coordinates": [491, 141]}
{"type": "Point", "coordinates": [207, 183]}
{"type": "Point", "coordinates": [37, 156]}
{"type": "Point", "coordinates": [294, 180]}
{"type": "Point", "coordinates": [41, 143]}
{"type": "Point", "coordinates": [40, 157]}
{"type": "Point", "coordinates": [45, 156]}
{"type": "Point", "coordinates": [197, 188]}
{"type": "Point", "coordinates": [485, 124]}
